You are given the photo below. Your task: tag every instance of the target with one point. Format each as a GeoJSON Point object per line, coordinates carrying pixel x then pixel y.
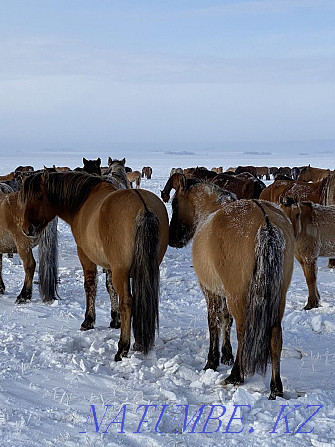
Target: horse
{"type": "Point", "coordinates": [263, 171]}
{"type": "Point", "coordinates": [176, 171]}
{"type": "Point", "coordinates": [283, 170]}
{"type": "Point", "coordinates": [310, 174]}
{"type": "Point", "coordinates": [116, 173]}
{"type": "Point", "coordinates": [134, 176]}
{"type": "Point", "coordinates": [243, 254]}
{"type": "Point", "coordinates": [322, 192]}
{"type": "Point", "coordinates": [244, 187]}
{"type": "Point", "coordinates": [147, 172]}
{"type": "Point", "coordinates": [247, 187]}
{"type": "Point", "coordinates": [123, 230]}
{"type": "Point", "coordinates": [313, 227]}
{"type": "Point", "coordinates": [218, 170]}
{"type": "Point", "coordinates": [24, 169]}
{"type": "Point", "coordinates": [251, 169]}
{"type": "Point", "coordinates": [91, 166]}
{"type": "Point", "coordinates": [13, 240]}
{"type": "Point", "coordinates": [172, 183]}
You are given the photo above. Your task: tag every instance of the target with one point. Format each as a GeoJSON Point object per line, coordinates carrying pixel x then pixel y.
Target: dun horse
{"type": "Point", "coordinates": [243, 254]}
{"type": "Point", "coordinates": [12, 240]}
{"type": "Point", "coordinates": [314, 231]}
{"type": "Point", "coordinates": [123, 230]}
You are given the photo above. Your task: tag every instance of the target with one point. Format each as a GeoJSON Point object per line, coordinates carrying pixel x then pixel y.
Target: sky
{"type": "Point", "coordinates": [83, 74]}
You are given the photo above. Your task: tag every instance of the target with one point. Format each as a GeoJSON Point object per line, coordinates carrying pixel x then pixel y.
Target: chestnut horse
{"type": "Point", "coordinates": [243, 253]}
{"type": "Point", "coordinates": [310, 174]}
{"type": "Point", "coordinates": [322, 192]}
{"type": "Point", "coordinates": [314, 231]}
{"type": "Point", "coordinates": [134, 176]}
{"type": "Point", "coordinates": [123, 230]}
{"type": "Point", "coordinates": [12, 240]}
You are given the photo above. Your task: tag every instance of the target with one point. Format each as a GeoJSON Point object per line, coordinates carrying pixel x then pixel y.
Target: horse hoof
{"type": "Point", "coordinates": [230, 380]}
{"type": "Point", "coordinates": [311, 306]}
{"type": "Point", "coordinates": [86, 327]}
{"type": "Point", "coordinates": [210, 366]}
{"type": "Point", "coordinates": [274, 394]}
{"type": "Point", "coordinates": [118, 358]}
{"type": "Point", "coordinates": [21, 300]}
{"type": "Point", "coordinates": [115, 324]}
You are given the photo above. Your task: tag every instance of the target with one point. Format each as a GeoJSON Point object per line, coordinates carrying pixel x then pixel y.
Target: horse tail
{"type": "Point", "coordinates": [263, 298]}
{"type": "Point", "coordinates": [48, 261]}
{"type": "Point", "coordinates": [145, 280]}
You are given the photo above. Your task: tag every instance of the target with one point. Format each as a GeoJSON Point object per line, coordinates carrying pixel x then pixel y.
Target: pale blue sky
{"type": "Point", "coordinates": [88, 74]}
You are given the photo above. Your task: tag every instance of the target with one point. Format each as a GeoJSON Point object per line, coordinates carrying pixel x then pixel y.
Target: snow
{"type": "Point", "coordinates": [54, 378]}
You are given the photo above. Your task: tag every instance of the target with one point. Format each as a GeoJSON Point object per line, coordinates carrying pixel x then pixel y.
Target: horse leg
{"type": "Point", "coordinates": [29, 265]}
{"type": "Point", "coordinates": [121, 283]}
{"type": "Point", "coordinates": [115, 314]}
{"type": "Point", "coordinates": [227, 321]}
{"type": "Point", "coordinates": [90, 287]}
{"type": "Point", "coordinates": [2, 285]}
{"type": "Point", "coordinates": [276, 386]}
{"type": "Point", "coordinates": [235, 377]}
{"type": "Point", "coordinates": [331, 263]}
{"type": "Point", "coordinates": [214, 305]}
{"type": "Point", "coordinates": [309, 269]}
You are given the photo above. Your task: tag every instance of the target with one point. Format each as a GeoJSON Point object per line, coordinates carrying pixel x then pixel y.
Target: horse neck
{"type": "Point", "coordinates": [168, 186]}
{"type": "Point", "coordinates": [205, 202]}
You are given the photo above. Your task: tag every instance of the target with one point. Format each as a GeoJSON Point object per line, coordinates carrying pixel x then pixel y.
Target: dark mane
{"type": "Point", "coordinates": [72, 190]}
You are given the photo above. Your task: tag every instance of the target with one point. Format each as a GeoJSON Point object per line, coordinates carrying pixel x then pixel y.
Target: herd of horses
{"type": "Point", "coordinates": [127, 232]}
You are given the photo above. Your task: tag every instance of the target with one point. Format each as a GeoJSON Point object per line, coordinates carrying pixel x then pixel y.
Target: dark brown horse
{"type": "Point", "coordinates": [13, 240]}
{"type": "Point", "coordinates": [91, 166]}
{"type": "Point", "coordinates": [123, 230]}
{"type": "Point", "coordinates": [147, 172]}
{"type": "Point", "coordinates": [243, 254]}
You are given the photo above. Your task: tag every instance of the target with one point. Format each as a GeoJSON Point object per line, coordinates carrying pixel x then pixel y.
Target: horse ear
{"type": "Point", "coordinates": [182, 182]}
{"type": "Point", "coordinates": [109, 161]}
{"type": "Point", "coordinates": [123, 161]}
{"type": "Point", "coordinates": [84, 160]}
{"type": "Point", "coordinates": [99, 161]}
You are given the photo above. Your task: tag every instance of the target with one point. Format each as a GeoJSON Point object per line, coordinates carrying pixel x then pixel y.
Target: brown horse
{"type": "Point", "coordinates": [243, 253]}
{"type": "Point", "coordinates": [310, 174]}
{"type": "Point", "coordinates": [263, 171]}
{"type": "Point", "coordinates": [322, 192]}
{"type": "Point", "coordinates": [12, 240]}
{"type": "Point", "coordinates": [147, 172]}
{"type": "Point", "coordinates": [91, 166]}
{"type": "Point", "coordinates": [134, 176]}
{"type": "Point", "coordinates": [314, 231]}
{"type": "Point", "coordinates": [244, 188]}
{"type": "Point", "coordinates": [123, 230]}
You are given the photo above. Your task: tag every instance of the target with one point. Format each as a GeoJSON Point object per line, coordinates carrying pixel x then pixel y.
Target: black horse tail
{"type": "Point", "coordinates": [145, 280]}
{"type": "Point", "coordinates": [263, 299]}
{"type": "Point", "coordinates": [48, 262]}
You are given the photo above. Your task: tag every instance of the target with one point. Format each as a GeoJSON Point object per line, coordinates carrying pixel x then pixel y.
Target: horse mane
{"type": "Point", "coordinates": [222, 194]}
{"type": "Point", "coordinates": [72, 191]}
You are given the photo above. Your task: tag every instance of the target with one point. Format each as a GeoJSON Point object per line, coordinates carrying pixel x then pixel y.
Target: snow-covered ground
{"type": "Point", "coordinates": [61, 386]}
